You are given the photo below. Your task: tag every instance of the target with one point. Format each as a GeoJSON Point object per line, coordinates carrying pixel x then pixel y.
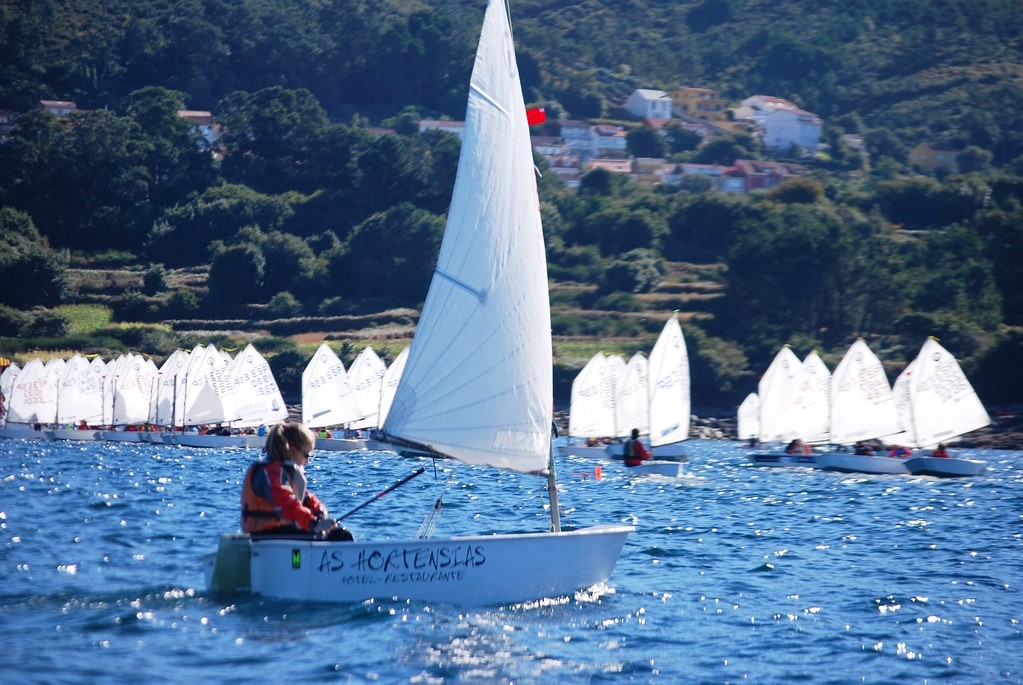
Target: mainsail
{"type": "Point", "coordinates": [478, 383]}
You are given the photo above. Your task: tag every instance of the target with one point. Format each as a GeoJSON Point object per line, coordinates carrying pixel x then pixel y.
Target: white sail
{"type": "Point", "coordinates": [166, 389]}
{"type": "Point", "coordinates": [132, 391]}
{"type": "Point", "coordinates": [669, 386]}
{"type": "Point", "coordinates": [392, 377]}
{"type": "Point", "coordinates": [33, 398]}
{"type": "Point", "coordinates": [478, 383]}
{"type": "Point", "coordinates": [862, 403]}
{"type": "Point", "coordinates": [7, 380]}
{"type": "Point", "coordinates": [327, 396]}
{"type": "Point", "coordinates": [591, 414]}
{"type": "Point", "coordinates": [943, 403]}
{"type": "Point", "coordinates": [777, 391]}
{"type": "Point", "coordinates": [810, 418]}
{"type": "Point", "coordinates": [257, 399]}
{"type": "Point", "coordinates": [632, 404]}
{"type": "Point", "coordinates": [210, 396]}
{"type": "Point", "coordinates": [80, 393]}
{"type": "Point", "coordinates": [749, 418]}
{"type": "Point", "coordinates": [366, 376]}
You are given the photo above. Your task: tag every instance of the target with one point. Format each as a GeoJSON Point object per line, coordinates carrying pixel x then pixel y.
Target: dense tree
{"type": "Point", "coordinates": [802, 269]}
{"type": "Point", "coordinates": [183, 234]}
{"type": "Point", "coordinates": [643, 141]}
{"type": "Point", "coordinates": [391, 254]}
{"type": "Point", "coordinates": [236, 273]}
{"type": "Point", "coordinates": [33, 274]}
{"type": "Point", "coordinates": [83, 178]}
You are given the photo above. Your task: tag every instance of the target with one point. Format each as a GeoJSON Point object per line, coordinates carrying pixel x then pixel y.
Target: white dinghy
{"type": "Point", "coordinates": [477, 387]}
{"type": "Point", "coordinates": [862, 408]}
{"type": "Point", "coordinates": [942, 405]}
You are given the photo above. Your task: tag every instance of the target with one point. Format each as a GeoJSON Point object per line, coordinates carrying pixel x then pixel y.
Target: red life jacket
{"type": "Point", "coordinates": [258, 511]}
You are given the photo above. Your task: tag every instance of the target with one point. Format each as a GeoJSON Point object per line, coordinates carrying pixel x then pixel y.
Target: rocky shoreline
{"type": "Point", "coordinates": [1004, 433]}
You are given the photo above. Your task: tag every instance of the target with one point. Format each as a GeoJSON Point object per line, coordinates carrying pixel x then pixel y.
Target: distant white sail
{"type": "Point", "coordinates": [943, 404]}
{"type": "Point", "coordinates": [810, 418]}
{"type": "Point", "coordinates": [392, 377]}
{"type": "Point", "coordinates": [80, 393]}
{"type": "Point", "coordinates": [591, 414]}
{"type": "Point", "coordinates": [366, 377]}
{"type": "Point", "coordinates": [33, 398]}
{"type": "Point", "coordinates": [749, 417]}
{"type": "Point", "coordinates": [257, 399]}
{"type": "Point", "coordinates": [777, 392]}
{"type": "Point", "coordinates": [132, 392]}
{"type": "Point", "coordinates": [7, 380]}
{"type": "Point", "coordinates": [670, 401]}
{"type": "Point", "coordinates": [632, 404]}
{"type": "Point", "coordinates": [862, 403]}
{"type": "Point", "coordinates": [327, 396]}
{"type": "Point", "coordinates": [210, 395]}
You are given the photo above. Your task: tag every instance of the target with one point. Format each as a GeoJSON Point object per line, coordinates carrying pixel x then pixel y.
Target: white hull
{"type": "Point", "coordinates": [472, 570]}
{"type": "Point", "coordinates": [583, 451]}
{"type": "Point", "coordinates": [669, 469]}
{"type": "Point", "coordinates": [22, 432]}
{"type": "Point", "coordinates": [783, 459]}
{"type": "Point", "coordinates": [74, 434]}
{"type": "Point", "coordinates": [219, 441]}
{"type": "Point", "coordinates": [121, 436]}
{"type": "Point", "coordinates": [340, 444]}
{"type": "Point", "coordinates": [861, 463]}
{"type": "Point", "coordinates": [950, 467]}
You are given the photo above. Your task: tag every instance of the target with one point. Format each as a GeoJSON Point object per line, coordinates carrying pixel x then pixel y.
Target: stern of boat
{"type": "Point", "coordinates": [228, 570]}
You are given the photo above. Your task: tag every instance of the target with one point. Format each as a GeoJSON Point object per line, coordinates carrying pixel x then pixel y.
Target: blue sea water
{"type": "Point", "coordinates": [735, 573]}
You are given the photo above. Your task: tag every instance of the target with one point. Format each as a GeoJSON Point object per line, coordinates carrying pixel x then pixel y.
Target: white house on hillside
{"type": "Point", "coordinates": [649, 104]}
{"type": "Point", "coordinates": [783, 128]}
{"type": "Point", "coordinates": [608, 141]}
{"type": "Point", "coordinates": [782, 124]}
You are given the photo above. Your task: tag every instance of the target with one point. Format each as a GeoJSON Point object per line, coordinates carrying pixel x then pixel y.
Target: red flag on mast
{"type": "Point", "coordinates": [536, 116]}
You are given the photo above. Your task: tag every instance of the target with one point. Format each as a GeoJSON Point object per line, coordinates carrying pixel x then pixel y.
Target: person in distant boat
{"type": "Point", "coordinates": [797, 446]}
{"type": "Point", "coordinates": [82, 425]}
{"type": "Point", "coordinates": [635, 451]}
{"type": "Point", "coordinates": [324, 433]}
{"type": "Point", "coordinates": [863, 448]}
{"type": "Point", "coordinates": [275, 498]}
{"type": "Point", "coordinates": [900, 452]}
{"type": "Point", "coordinates": [941, 451]}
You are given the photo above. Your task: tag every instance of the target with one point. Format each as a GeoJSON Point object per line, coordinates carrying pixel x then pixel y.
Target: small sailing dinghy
{"type": "Point", "coordinates": [862, 409]}
{"type": "Point", "coordinates": [939, 404]}
{"type": "Point", "coordinates": [477, 387]}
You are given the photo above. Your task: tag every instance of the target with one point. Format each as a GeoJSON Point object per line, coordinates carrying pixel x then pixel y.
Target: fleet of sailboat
{"type": "Point", "coordinates": [931, 402]}
{"type": "Point", "coordinates": [611, 397]}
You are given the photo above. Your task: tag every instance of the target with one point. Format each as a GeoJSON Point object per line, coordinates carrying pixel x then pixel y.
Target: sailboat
{"type": "Point", "coordinates": [862, 408]}
{"type": "Point", "coordinates": [477, 387]}
{"type": "Point", "coordinates": [328, 399]}
{"type": "Point", "coordinates": [942, 405]}
{"type": "Point", "coordinates": [668, 403]}
{"type": "Point", "coordinates": [592, 416]}
{"type": "Point", "coordinates": [789, 407]}
{"type": "Point", "coordinates": [30, 396]}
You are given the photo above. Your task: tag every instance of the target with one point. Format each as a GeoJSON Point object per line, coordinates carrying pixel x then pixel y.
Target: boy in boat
{"type": "Point", "coordinates": [635, 451]}
{"type": "Point", "coordinates": [275, 498]}
{"type": "Point", "coordinates": [941, 451]}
